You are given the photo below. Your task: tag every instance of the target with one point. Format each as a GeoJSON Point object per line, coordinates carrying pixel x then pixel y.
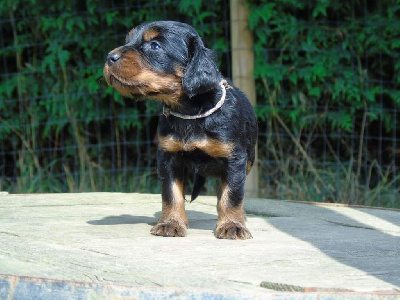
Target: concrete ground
{"type": "Point", "coordinates": [98, 245]}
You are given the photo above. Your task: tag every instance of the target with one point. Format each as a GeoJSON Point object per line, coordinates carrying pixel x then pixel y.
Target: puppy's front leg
{"type": "Point", "coordinates": [173, 220]}
{"type": "Point", "coordinates": [231, 215]}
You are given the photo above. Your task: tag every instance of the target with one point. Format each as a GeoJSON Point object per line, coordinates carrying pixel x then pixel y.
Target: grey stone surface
{"type": "Point", "coordinates": [99, 245]}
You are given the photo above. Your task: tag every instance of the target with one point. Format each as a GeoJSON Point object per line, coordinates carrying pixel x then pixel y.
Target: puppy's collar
{"type": "Point", "coordinates": [224, 86]}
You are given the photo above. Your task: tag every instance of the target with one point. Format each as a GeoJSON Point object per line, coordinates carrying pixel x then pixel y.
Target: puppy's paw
{"type": "Point", "coordinates": [232, 230]}
{"type": "Point", "coordinates": [170, 228]}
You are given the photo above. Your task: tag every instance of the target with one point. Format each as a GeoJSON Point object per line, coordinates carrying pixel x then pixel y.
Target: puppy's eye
{"type": "Point", "coordinates": [154, 46]}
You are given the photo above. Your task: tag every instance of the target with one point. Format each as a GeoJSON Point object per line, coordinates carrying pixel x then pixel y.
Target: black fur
{"type": "Point", "coordinates": [198, 184]}
{"type": "Point", "coordinates": [202, 73]}
{"type": "Point", "coordinates": [233, 124]}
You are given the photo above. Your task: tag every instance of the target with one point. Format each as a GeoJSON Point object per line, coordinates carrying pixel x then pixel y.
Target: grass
{"type": "Point", "coordinates": [291, 179]}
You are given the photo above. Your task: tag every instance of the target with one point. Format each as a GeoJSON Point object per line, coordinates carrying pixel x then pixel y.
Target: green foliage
{"type": "Point", "coordinates": [326, 71]}
{"type": "Point", "coordinates": [329, 62]}
{"type": "Point", "coordinates": [61, 127]}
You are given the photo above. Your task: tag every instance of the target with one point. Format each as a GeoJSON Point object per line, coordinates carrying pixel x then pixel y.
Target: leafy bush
{"type": "Point", "coordinates": [61, 127]}
{"type": "Point", "coordinates": [327, 75]}
{"type": "Point", "coordinates": [328, 86]}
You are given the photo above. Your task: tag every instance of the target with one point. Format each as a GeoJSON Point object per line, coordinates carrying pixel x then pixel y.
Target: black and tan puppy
{"type": "Point", "coordinates": [208, 127]}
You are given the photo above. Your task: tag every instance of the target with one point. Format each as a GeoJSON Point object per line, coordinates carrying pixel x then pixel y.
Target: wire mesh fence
{"type": "Point", "coordinates": [327, 77]}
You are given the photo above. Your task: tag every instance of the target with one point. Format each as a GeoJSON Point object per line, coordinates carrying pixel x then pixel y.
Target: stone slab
{"type": "Point", "coordinates": [98, 245]}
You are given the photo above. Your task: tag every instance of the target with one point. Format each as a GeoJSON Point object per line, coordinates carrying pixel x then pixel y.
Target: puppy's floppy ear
{"type": "Point", "coordinates": [201, 74]}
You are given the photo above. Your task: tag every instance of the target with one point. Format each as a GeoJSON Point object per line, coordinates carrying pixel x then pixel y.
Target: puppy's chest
{"type": "Point", "coordinates": [190, 136]}
{"type": "Point", "coordinates": [209, 146]}
{"type": "Point", "coordinates": [188, 139]}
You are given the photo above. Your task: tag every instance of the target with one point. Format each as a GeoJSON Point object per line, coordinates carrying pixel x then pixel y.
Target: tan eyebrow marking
{"type": "Point", "coordinates": [150, 34]}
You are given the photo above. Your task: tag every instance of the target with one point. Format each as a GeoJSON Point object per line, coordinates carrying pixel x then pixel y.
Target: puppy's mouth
{"type": "Point", "coordinates": [123, 86]}
{"type": "Point", "coordinates": [132, 89]}
{"type": "Point", "coordinates": [115, 82]}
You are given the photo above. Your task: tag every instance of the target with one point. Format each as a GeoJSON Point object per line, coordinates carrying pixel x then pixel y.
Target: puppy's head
{"type": "Point", "coordinates": [162, 60]}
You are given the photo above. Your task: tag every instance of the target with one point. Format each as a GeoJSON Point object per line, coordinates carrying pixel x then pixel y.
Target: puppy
{"type": "Point", "coordinates": [207, 127]}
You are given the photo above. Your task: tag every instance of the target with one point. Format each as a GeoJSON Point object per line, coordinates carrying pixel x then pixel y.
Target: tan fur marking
{"type": "Point", "coordinates": [248, 167]}
{"type": "Point", "coordinates": [168, 85]}
{"type": "Point", "coordinates": [150, 34]}
{"type": "Point", "coordinates": [213, 147]}
{"type": "Point", "coordinates": [231, 220]}
{"type": "Point", "coordinates": [227, 213]}
{"type": "Point", "coordinates": [179, 71]}
{"type": "Point", "coordinates": [169, 144]}
{"type": "Point", "coordinates": [210, 146]}
{"type": "Point", "coordinates": [175, 210]}
{"type": "Point", "coordinates": [173, 220]}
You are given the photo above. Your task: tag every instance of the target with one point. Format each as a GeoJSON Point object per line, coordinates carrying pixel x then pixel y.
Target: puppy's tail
{"type": "Point", "coordinates": [198, 184]}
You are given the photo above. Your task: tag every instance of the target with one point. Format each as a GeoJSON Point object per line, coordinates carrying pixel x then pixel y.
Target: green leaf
{"type": "Point", "coordinates": [320, 8]}
{"type": "Point", "coordinates": [342, 120]}
{"type": "Point", "coordinates": [110, 16]}
{"type": "Point", "coordinates": [63, 56]}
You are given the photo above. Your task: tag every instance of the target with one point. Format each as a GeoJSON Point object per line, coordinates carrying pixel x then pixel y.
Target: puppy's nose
{"type": "Point", "coordinates": [113, 57]}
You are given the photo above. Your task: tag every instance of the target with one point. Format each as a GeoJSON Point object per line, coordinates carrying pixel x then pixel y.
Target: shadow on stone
{"type": "Point", "coordinates": [197, 220]}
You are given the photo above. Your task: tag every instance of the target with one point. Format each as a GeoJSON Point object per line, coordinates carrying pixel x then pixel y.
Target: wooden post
{"type": "Point", "coordinates": [243, 71]}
